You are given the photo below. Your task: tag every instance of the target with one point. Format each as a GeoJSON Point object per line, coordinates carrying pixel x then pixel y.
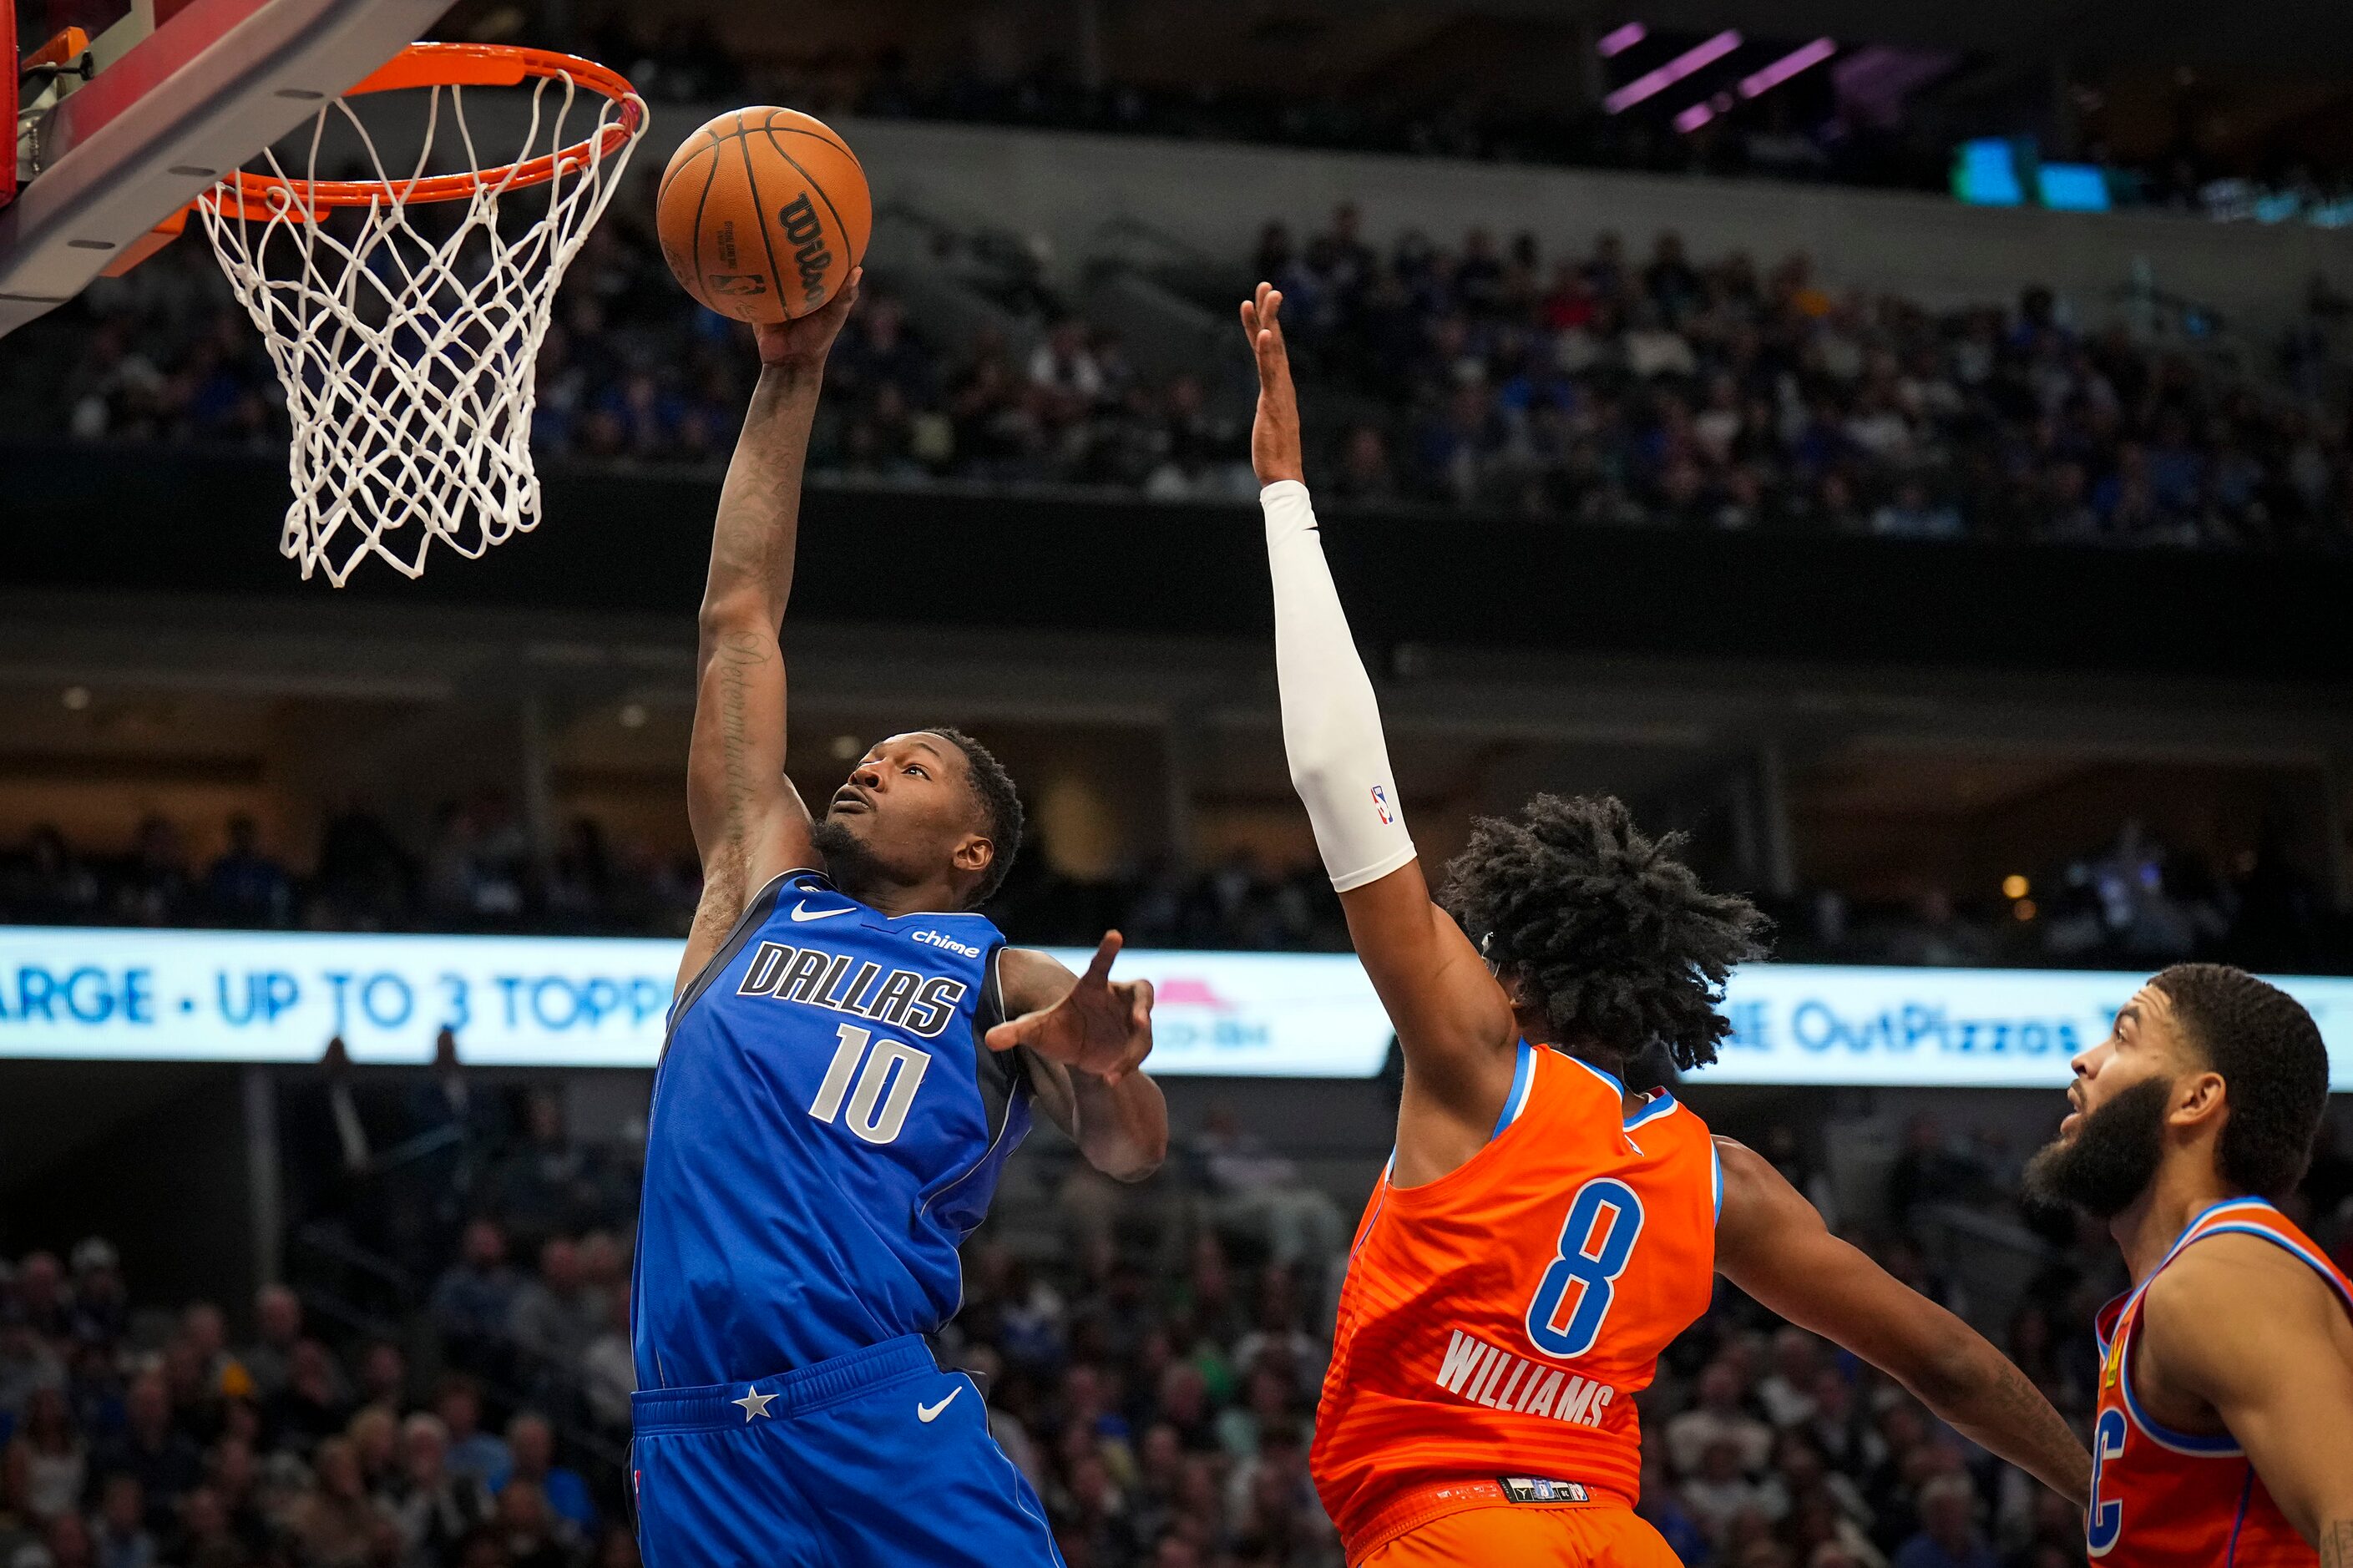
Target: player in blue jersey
{"type": "Point", "coordinates": [852, 1056]}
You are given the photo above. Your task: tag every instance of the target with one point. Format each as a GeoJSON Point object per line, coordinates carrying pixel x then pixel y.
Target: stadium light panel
{"type": "Point", "coordinates": [1696, 58]}
{"type": "Point", "coordinates": [2073, 188]}
{"type": "Point", "coordinates": [1985, 174]}
{"type": "Point", "coordinates": [1618, 40]}
{"type": "Point", "coordinates": [1759, 82]}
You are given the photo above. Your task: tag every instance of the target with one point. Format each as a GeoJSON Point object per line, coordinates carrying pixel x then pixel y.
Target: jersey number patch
{"type": "Point", "coordinates": [2106, 1518]}
{"type": "Point", "coordinates": [885, 1089]}
{"type": "Point", "coordinates": [1574, 1294]}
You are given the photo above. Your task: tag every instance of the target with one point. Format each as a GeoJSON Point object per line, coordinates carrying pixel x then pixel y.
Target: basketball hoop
{"type": "Point", "coordinates": [407, 354]}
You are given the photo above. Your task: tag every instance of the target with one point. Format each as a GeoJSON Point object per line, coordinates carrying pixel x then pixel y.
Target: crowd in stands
{"type": "Point", "coordinates": [152, 1438]}
{"type": "Point", "coordinates": [2133, 902]}
{"type": "Point", "coordinates": [2130, 903]}
{"type": "Point", "coordinates": [1664, 389]}
{"type": "Point", "coordinates": [632, 372]}
{"type": "Point", "coordinates": [474, 870]}
{"type": "Point", "coordinates": [1151, 1358]}
{"type": "Point", "coordinates": [1654, 389]}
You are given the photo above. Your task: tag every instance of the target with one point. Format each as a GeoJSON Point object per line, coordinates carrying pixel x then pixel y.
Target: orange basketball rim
{"type": "Point", "coordinates": [259, 198]}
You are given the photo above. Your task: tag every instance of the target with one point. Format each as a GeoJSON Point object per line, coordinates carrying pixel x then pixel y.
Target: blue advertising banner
{"type": "Point", "coordinates": [564, 1001]}
{"type": "Point", "coordinates": [1985, 1029]}
{"type": "Point", "coordinates": [572, 1001]}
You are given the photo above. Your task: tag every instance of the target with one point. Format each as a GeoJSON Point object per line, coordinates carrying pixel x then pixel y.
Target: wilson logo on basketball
{"type": "Point", "coordinates": [804, 230]}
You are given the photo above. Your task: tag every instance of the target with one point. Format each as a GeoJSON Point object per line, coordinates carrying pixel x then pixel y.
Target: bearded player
{"type": "Point", "coordinates": [2225, 1426]}
{"type": "Point", "coordinates": [852, 1056]}
{"type": "Point", "coordinates": [1543, 1230]}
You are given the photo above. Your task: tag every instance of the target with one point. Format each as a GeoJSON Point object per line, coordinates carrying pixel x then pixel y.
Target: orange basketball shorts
{"type": "Point", "coordinates": [1521, 1535]}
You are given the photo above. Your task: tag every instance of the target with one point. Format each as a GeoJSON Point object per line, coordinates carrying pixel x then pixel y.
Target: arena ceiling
{"type": "Point", "coordinates": [2286, 34]}
{"type": "Point", "coordinates": [2300, 36]}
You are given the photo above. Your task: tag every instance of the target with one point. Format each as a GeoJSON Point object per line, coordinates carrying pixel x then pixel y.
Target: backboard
{"type": "Point", "coordinates": [177, 93]}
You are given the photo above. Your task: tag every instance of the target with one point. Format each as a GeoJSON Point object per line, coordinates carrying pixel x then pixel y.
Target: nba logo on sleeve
{"type": "Point", "coordinates": [1381, 805]}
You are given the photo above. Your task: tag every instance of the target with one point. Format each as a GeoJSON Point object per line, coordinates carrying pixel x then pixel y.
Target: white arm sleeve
{"type": "Point", "coordinates": [1331, 724]}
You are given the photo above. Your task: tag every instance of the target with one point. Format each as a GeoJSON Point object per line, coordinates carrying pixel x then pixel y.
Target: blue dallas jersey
{"type": "Point", "coordinates": [827, 1127]}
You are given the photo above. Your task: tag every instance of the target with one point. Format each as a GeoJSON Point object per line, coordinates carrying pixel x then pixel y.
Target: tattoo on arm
{"type": "Point", "coordinates": [759, 505]}
{"type": "Point", "coordinates": [1997, 1405]}
{"type": "Point", "coordinates": [2336, 1543]}
{"type": "Point", "coordinates": [738, 654]}
{"type": "Point", "coordinates": [736, 789]}
{"type": "Point", "coordinates": [2015, 1397]}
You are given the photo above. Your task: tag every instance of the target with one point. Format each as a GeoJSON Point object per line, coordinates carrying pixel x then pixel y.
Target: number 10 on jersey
{"type": "Point", "coordinates": [885, 1089]}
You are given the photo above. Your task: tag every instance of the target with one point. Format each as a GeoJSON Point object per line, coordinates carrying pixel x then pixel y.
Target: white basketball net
{"type": "Point", "coordinates": [407, 359]}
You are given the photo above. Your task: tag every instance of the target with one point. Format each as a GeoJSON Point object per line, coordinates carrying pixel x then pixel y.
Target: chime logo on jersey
{"type": "Point", "coordinates": [903, 998]}
{"type": "Point", "coordinates": [946, 943]}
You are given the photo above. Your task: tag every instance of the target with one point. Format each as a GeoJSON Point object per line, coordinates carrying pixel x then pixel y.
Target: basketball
{"type": "Point", "coordinates": [762, 213]}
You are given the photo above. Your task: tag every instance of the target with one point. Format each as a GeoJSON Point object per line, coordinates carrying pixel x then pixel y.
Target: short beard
{"type": "Point", "coordinates": [2112, 1157]}
{"type": "Point", "coordinates": [848, 863]}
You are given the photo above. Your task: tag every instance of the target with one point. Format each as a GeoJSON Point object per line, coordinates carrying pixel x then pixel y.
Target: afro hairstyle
{"type": "Point", "coordinates": [1609, 934]}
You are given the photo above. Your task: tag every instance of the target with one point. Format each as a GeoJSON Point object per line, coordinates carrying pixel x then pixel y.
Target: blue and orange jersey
{"type": "Point", "coordinates": [1499, 1320]}
{"type": "Point", "coordinates": [2162, 1499]}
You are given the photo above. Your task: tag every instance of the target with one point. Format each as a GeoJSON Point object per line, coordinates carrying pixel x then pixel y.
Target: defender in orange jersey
{"type": "Point", "coordinates": [1543, 1231]}
{"type": "Point", "coordinates": [2224, 1436]}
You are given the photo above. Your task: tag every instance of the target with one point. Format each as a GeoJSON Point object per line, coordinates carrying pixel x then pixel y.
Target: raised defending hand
{"type": "Point", "coordinates": [803, 343]}
{"type": "Point", "coordinates": [1274, 434]}
{"type": "Point", "coordinates": [1103, 1026]}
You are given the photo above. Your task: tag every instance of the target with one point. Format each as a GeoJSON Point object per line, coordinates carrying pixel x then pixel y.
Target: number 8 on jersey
{"type": "Point", "coordinates": [1596, 1240]}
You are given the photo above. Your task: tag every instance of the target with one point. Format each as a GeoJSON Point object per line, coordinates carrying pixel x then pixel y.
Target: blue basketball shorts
{"type": "Point", "coordinates": [873, 1460]}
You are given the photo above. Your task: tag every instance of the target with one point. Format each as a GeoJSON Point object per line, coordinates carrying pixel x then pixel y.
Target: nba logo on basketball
{"type": "Point", "coordinates": [1381, 803]}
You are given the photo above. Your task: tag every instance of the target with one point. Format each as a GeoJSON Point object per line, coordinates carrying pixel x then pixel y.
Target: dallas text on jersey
{"type": "Point", "coordinates": [901, 998]}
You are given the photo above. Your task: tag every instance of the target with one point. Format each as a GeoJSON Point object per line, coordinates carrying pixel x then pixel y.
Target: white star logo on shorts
{"type": "Point", "coordinates": [754, 1402]}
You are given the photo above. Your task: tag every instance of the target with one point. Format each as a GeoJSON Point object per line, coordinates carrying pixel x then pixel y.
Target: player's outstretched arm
{"type": "Point", "coordinates": [1771, 1243]}
{"type": "Point", "coordinates": [1453, 1021]}
{"type": "Point", "coordinates": [748, 823]}
{"type": "Point", "coordinates": [1086, 1036]}
{"type": "Point", "coordinates": [2241, 1325]}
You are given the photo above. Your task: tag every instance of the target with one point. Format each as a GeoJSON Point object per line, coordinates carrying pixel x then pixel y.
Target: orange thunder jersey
{"type": "Point", "coordinates": [1499, 1320]}
{"type": "Point", "coordinates": [2162, 1499]}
